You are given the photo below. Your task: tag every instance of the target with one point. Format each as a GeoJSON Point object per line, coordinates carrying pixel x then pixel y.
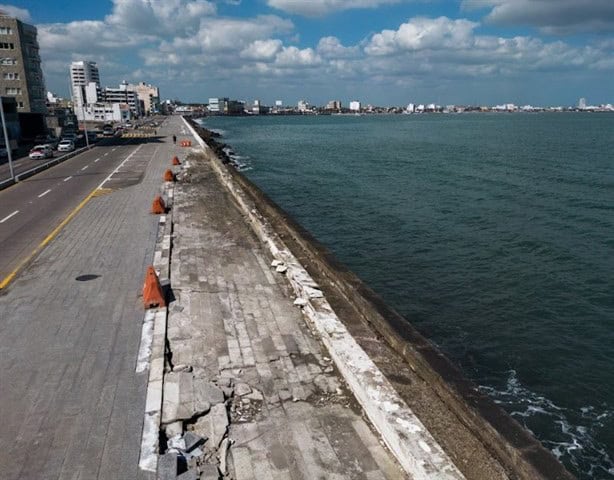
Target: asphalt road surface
{"type": "Point", "coordinates": [32, 209]}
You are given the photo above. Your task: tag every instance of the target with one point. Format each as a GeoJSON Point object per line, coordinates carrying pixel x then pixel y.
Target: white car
{"type": "Point", "coordinates": [66, 146]}
{"type": "Point", "coordinates": [41, 151]}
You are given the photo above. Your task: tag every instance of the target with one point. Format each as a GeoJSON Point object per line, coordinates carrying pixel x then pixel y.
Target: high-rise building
{"type": "Point", "coordinates": [21, 75]}
{"type": "Point", "coordinates": [149, 95]}
{"type": "Point", "coordinates": [333, 105]}
{"type": "Point", "coordinates": [85, 83]}
{"type": "Point", "coordinates": [126, 94]}
{"type": "Point", "coordinates": [355, 106]}
{"type": "Point", "coordinates": [582, 104]}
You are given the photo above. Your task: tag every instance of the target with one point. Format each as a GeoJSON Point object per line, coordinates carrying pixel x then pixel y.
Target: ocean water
{"type": "Point", "coordinates": [492, 233]}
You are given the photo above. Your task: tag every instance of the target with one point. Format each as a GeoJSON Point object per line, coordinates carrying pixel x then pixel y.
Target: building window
{"type": "Point", "coordinates": [11, 76]}
{"type": "Point", "coordinates": [8, 61]}
{"type": "Point", "coordinates": [13, 91]}
{"type": "Point", "coordinates": [19, 104]}
{"type": "Point", "coordinates": [6, 31]}
{"type": "Point", "coordinates": [7, 46]}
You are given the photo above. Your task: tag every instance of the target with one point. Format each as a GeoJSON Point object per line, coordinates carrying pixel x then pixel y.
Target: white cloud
{"type": "Point", "coordinates": [551, 16]}
{"type": "Point", "coordinates": [316, 8]}
{"type": "Point", "coordinates": [262, 49]}
{"type": "Point", "coordinates": [423, 33]}
{"type": "Point", "coordinates": [331, 47]}
{"type": "Point", "coordinates": [13, 11]}
{"type": "Point", "coordinates": [295, 57]}
{"type": "Point", "coordinates": [177, 17]}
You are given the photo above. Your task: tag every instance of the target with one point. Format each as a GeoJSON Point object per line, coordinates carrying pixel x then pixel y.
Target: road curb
{"type": "Point", "coordinates": [153, 343]}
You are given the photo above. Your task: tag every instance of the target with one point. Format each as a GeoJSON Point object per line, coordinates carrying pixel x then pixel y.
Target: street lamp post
{"type": "Point", "coordinates": [6, 140]}
{"type": "Point", "coordinates": [87, 139]}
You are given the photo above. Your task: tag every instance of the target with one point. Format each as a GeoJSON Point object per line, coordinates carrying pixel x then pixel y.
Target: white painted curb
{"type": "Point", "coordinates": [153, 342]}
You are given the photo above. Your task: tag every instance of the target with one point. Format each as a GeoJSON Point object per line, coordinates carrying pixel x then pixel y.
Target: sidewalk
{"type": "Point", "coordinates": [71, 404]}
{"type": "Point", "coordinates": [235, 333]}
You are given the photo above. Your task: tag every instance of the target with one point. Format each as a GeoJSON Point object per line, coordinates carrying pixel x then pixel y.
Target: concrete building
{"type": "Point", "coordinates": [225, 106]}
{"type": "Point", "coordinates": [334, 105]}
{"type": "Point", "coordinates": [85, 83]}
{"type": "Point", "coordinates": [149, 95]}
{"type": "Point", "coordinates": [303, 106]}
{"type": "Point", "coordinates": [355, 106]}
{"type": "Point", "coordinates": [124, 94]}
{"type": "Point", "coordinates": [21, 75]}
{"type": "Point", "coordinates": [218, 105]}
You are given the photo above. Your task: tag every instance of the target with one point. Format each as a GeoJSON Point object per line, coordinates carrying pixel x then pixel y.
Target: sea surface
{"type": "Point", "coordinates": [492, 233]}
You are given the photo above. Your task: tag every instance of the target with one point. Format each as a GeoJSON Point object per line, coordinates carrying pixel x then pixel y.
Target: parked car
{"type": "Point", "coordinates": [66, 146]}
{"type": "Point", "coordinates": [41, 151]}
{"type": "Point", "coordinates": [108, 132]}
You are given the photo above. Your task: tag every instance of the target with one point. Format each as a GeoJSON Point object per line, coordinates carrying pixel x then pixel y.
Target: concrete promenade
{"type": "Point", "coordinates": [71, 405]}
{"type": "Point", "coordinates": [234, 326]}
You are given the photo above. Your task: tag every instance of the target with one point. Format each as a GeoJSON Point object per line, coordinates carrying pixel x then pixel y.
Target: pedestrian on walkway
{"type": "Point", "coordinates": [174, 138]}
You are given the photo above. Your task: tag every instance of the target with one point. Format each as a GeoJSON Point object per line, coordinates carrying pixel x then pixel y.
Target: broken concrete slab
{"type": "Point", "coordinates": [255, 395]}
{"type": "Point", "coordinates": [208, 392]}
{"type": "Point", "coordinates": [242, 389]}
{"type": "Point", "coordinates": [167, 466]}
{"type": "Point", "coordinates": [184, 398]}
{"type": "Point", "coordinates": [173, 429]}
{"type": "Point", "coordinates": [191, 441]}
{"type": "Point", "coordinates": [209, 472]}
{"type": "Point", "coordinates": [189, 475]}
{"type": "Point", "coordinates": [214, 426]}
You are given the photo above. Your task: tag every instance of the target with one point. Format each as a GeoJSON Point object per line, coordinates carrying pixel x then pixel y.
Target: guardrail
{"type": "Point", "coordinates": [39, 168]}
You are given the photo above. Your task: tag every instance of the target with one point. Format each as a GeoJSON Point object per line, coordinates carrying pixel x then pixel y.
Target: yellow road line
{"type": "Point", "coordinates": [46, 241]}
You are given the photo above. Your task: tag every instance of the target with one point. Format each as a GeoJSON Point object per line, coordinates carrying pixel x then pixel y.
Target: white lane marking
{"type": "Point", "coordinates": [106, 154]}
{"type": "Point", "coordinates": [9, 216]}
{"type": "Point", "coordinates": [97, 160]}
{"type": "Point", "coordinates": [114, 149]}
{"type": "Point", "coordinates": [85, 168]}
{"type": "Point", "coordinates": [44, 193]}
{"type": "Point", "coordinates": [120, 166]}
{"type": "Point", "coordinates": [67, 178]}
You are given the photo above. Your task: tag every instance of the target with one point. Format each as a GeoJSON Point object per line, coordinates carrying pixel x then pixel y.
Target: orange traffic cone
{"type": "Point", "coordinates": [158, 207]}
{"type": "Point", "coordinates": [169, 176]}
{"type": "Point", "coordinates": [176, 161]}
{"type": "Point", "coordinates": [152, 291]}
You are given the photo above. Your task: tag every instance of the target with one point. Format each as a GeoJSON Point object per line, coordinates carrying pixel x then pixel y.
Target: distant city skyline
{"type": "Point", "coordinates": [380, 52]}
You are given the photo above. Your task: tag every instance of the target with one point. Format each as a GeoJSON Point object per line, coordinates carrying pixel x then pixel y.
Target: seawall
{"type": "Point", "coordinates": [500, 436]}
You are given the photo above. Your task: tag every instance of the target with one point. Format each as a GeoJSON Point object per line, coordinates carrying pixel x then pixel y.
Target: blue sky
{"type": "Point", "coordinates": [385, 52]}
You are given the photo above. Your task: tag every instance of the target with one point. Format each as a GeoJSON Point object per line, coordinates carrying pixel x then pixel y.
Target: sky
{"type": "Point", "coordinates": [383, 52]}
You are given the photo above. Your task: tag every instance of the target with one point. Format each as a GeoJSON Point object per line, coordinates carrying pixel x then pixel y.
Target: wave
{"type": "Point", "coordinates": [240, 162]}
{"type": "Point", "coordinates": [572, 434]}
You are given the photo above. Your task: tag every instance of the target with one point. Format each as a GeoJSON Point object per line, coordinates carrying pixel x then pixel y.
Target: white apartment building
{"type": "Point", "coordinates": [85, 83]}
{"type": "Point", "coordinates": [355, 106]}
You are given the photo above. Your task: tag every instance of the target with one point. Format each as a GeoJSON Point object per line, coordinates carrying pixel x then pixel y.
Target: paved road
{"type": "Point", "coordinates": [30, 210]}
{"type": "Point", "coordinates": [25, 163]}
{"type": "Point", "coordinates": [71, 403]}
